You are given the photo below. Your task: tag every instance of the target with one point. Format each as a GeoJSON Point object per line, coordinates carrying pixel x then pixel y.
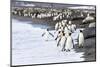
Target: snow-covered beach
{"type": "Point", "coordinates": [29, 47]}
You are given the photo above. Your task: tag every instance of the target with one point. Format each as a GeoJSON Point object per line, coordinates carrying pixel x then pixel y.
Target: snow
{"type": "Point", "coordinates": [29, 47]}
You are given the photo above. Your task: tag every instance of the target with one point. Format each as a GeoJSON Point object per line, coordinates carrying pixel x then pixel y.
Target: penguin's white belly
{"type": "Point", "coordinates": [46, 36]}
{"type": "Point", "coordinates": [81, 39]}
{"type": "Point", "coordinates": [63, 24]}
{"type": "Point", "coordinates": [62, 40]}
{"type": "Point", "coordinates": [69, 27]}
{"type": "Point", "coordinates": [69, 43]}
{"type": "Point", "coordinates": [67, 32]}
{"type": "Point", "coordinates": [58, 39]}
{"type": "Point", "coordinates": [73, 29]}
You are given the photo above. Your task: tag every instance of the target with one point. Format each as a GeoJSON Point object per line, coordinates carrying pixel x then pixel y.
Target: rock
{"type": "Point", "coordinates": [88, 19]}
{"type": "Point", "coordinates": [89, 32]}
{"type": "Point", "coordinates": [90, 49]}
{"type": "Point", "coordinates": [92, 24]}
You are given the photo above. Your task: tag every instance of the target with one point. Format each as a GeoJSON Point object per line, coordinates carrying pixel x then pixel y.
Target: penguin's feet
{"type": "Point", "coordinates": [57, 45]}
{"type": "Point", "coordinates": [63, 50]}
{"type": "Point", "coordinates": [55, 39]}
{"type": "Point", "coordinates": [67, 50]}
{"type": "Point", "coordinates": [46, 40]}
{"type": "Point", "coordinates": [80, 47]}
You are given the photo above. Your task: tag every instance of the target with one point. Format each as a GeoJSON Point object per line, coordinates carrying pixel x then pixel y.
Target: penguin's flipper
{"type": "Point", "coordinates": [64, 44]}
{"type": "Point", "coordinates": [43, 34]}
{"type": "Point", "coordinates": [78, 38]}
{"type": "Point", "coordinates": [58, 42]}
{"type": "Point", "coordinates": [51, 34]}
{"type": "Point", "coordinates": [56, 38]}
{"type": "Point", "coordinates": [73, 43]}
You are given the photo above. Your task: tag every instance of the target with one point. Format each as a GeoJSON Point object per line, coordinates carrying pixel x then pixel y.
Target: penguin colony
{"type": "Point", "coordinates": [64, 40]}
{"type": "Point", "coordinates": [64, 28]}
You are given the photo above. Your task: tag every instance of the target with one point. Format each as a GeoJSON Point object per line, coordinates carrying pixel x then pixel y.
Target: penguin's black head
{"type": "Point", "coordinates": [59, 31]}
{"type": "Point", "coordinates": [60, 28]}
{"type": "Point", "coordinates": [47, 29]}
{"type": "Point", "coordinates": [63, 34]}
{"type": "Point", "coordinates": [62, 31]}
{"type": "Point", "coordinates": [69, 34]}
{"type": "Point", "coordinates": [80, 30]}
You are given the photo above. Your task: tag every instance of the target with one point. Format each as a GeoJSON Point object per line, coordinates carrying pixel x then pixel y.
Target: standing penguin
{"type": "Point", "coordinates": [46, 34]}
{"type": "Point", "coordinates": [63, 41]}
{"type": "Point", "coordinates": [81, 39]}
{"type": "Point", "coordinates": [58, 38]}
{"type": "Point", "coordinates": [69, 43]}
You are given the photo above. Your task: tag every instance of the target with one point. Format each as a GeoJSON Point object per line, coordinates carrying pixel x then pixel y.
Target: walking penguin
{"type": "Point", "coordinates": [46, 34]}
{"type": "Point", "coordinates": [69, 43]}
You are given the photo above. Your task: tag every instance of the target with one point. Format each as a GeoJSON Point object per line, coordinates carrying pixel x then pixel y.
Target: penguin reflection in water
{"type": "Point", "coordinates": [46, 34]}
{"type": "Point", "coordinates": [81, 39]}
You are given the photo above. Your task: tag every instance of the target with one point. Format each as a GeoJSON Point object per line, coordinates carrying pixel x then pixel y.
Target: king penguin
{"type": "Point", "coordinates": [81, 39]}
{"type": "Point", "coordinates": [69, 43]}
{"type": "Point", "coordinates": [46, 34]}
{"type": "Point", "coordinates": [63, 41]}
